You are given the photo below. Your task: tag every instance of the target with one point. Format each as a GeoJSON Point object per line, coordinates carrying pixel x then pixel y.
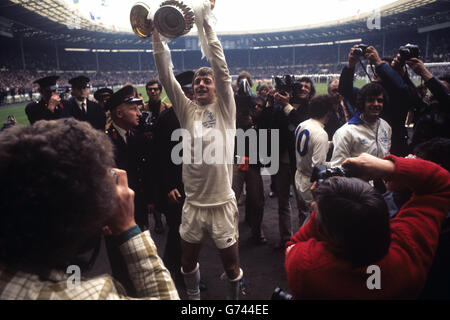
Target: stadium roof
{"type": "Point", "coordinates": [52, 20]}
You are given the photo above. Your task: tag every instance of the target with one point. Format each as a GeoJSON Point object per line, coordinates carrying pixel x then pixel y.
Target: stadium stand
{"type": "Point", "coordinates": [111, 58]}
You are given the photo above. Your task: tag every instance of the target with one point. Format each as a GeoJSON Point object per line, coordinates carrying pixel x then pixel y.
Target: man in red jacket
{"type": "Point", "coordinates": [351, 250]}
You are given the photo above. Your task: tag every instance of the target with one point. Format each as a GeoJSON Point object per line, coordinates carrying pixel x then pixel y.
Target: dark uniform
{"type": "Point", "coordinates": [38, 110]}
{"type": "Point", "coordinates": [94, 113]}
{"type": "Point", "coordinates": [134, 156]}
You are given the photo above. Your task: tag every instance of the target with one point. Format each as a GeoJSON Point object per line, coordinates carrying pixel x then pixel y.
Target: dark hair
{"type": "Point", "coordinates": [262, 87]}
{"type": "Point", "coordinates": [355, 220]}
{"type": "Point", "coordinates": [387, 59]}
{"type": "Point", "coordinates": [319, 106]}
{"type": "Point", "coordinates": [308, 80]}
{"type": "Point", "coordinates": [436, 150]}
{"type": "Point", "coordinates": [56, 192]}
{"type": "Point", "coordinates": [370, 90]}
{"type": "Point", "coordinates": [152, 82]}
{"type": "Point", "coordinates": [244, 75]}
{"type": "Point", "coordinates": [201, 72]}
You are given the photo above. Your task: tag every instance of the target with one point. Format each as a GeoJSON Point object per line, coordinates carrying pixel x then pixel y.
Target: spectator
{"type": "Point", "coordinates": [57, 194]}
{"type": "Point", "coordinates": [350, 230]}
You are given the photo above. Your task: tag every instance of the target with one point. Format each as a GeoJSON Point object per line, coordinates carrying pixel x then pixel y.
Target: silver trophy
{"type": "Point", "coordinates": [141, 24]}
{"type": "Point", "coordinates": [173, 19]}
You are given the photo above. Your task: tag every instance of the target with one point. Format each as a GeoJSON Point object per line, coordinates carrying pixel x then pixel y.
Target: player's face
{"type": "Point", "coordinates": [374, 106]}
{"type": "Point", "coordinates": [204, 90]}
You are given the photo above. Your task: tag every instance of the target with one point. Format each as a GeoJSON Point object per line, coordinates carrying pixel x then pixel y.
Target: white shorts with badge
{"type": "Point", "coordinates": [220, 222]}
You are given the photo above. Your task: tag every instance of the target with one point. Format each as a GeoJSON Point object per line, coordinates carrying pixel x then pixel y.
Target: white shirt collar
{"type": "Point", "coordinates": [121, 131]}
{"type": "Point", "coordinates": [81, 102]}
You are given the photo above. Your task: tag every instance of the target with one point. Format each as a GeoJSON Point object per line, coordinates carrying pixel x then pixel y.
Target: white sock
{"type": "Point", "coordinates": [234, 288]}
{"type": "Point", "coordinates": [192, 281]}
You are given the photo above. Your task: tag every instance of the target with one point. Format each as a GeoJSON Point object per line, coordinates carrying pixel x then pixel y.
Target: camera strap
{"type": "Point", "coordinates": [364, 68]}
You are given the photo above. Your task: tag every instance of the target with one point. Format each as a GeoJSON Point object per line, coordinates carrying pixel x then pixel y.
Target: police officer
{"type": "Point", "coordinates": [132, 151]}
{"type": "Point", "coordinates": [49, 107]}
{"type": "Point", "coordinates": [102, 96]}
{"type": "Point", "coordinates": [80, 107]}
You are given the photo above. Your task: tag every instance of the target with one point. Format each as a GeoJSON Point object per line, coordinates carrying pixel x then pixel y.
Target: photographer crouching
{"type": "Point", "coordinates": [350, 234]}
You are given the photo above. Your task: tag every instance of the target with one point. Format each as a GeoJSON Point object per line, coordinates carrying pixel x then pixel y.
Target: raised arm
{"type": "Point", "coordinates": [222, 75]}
{"type": "Point", "coordinates": [173, 89]}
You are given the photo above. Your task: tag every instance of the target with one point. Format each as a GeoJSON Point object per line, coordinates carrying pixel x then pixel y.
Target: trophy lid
{"type": "Point", "coordinates": [142, 26]}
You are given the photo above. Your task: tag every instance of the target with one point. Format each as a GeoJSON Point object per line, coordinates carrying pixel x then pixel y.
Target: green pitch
{"type": "Point", "coordinates": [18, 110]}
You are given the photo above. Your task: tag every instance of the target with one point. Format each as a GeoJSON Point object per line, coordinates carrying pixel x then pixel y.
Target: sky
{"type": "Point", "coordinates": [239, 15]}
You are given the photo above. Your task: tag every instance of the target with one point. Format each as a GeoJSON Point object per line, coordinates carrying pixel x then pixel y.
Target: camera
{"type": "Point", "coordinates": [408, 51]}
{"type": "Point", "coordinates": [360, 50]}
{"type": "Point", "coordinates": [287, 85]}
{"type": "Point", "coordinates": [321, 172]}
{"type": "Point", "coordinates": [279, 294]}
{"type": "Point", "coordinates": [9, 123]}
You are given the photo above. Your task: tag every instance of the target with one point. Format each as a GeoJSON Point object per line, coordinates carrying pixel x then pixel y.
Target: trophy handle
{"type": "Point", "coordinates": [142, 26]}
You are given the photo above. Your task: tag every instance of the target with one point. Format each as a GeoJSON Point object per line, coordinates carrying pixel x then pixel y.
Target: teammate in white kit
{"type": "Point", "coordinates": [210, 205]}
{"type": "Point", "coordinates": [311, 146]}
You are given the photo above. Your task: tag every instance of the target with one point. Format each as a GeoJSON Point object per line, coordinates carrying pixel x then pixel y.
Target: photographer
{"type": "Point", "coordinates": [350, 230]}
{"type": "Point", "coordinates": [393, 77]}
{"type": "Point", "coordinates": [58, 193]}
{"type": "Point", "coordinates": [245, 170]}
{"type": "Point", "coordinates": [366, 132]}
{"type": "Point", "coordinates": [433, 119]}
{"type": "Point", "coordinates": [285, 112]}
{"type": "Point", "coordinates": [49, 107]}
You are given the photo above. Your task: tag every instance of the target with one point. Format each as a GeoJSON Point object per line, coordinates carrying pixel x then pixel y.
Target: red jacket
{"type": "Point", "coordinates": [313, 272]}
